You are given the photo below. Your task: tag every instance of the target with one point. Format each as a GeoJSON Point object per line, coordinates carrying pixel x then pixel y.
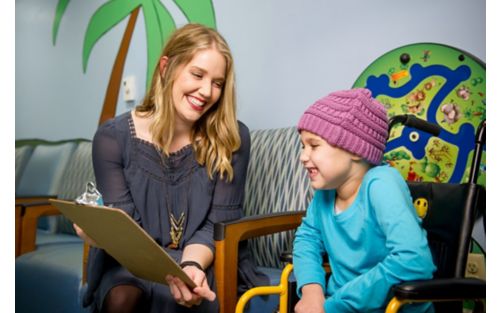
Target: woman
{"type": "Point", "coordinates": [176, 164]}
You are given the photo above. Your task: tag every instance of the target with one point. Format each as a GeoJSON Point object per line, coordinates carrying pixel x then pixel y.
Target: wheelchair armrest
{"type": "Point", "coordinates": [446, 289]}
{"type": "Point", "coordinates": [287, 257]}
{"type": "Point", "coordinates": [227, 236]}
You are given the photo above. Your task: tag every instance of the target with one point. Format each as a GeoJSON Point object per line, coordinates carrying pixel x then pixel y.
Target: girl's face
{"type": "Point", "coordinates": [198, 85]}
{"type": "Point", "coordinates": [329, 167]}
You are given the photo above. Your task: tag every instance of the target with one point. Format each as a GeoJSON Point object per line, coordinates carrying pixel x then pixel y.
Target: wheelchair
{"type": "Point", "coordinates": [452, 210]}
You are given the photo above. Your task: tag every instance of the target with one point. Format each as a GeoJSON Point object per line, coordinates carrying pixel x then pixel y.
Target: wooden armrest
{"type": "Point", "coordinates": [85, 261]}
{"type": "Point", "coordinates": [258, 225]}
{"type": "Point", "coordinates": [20, 210]}
{"type": "Point", "coordinates": [27, 215]}
{"type": "Point", "coordinates": [30, 199]}
{"type": "Point", "coordinates": [19, 213]}
{"type": "Point", "coordinates": [227, 236]}
{"type": "Point", "coordinates": [30, 212]}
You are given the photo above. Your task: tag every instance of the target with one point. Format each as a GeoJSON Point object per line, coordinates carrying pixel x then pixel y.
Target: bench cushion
{"type": "Point", "coordinates": [49, 279]}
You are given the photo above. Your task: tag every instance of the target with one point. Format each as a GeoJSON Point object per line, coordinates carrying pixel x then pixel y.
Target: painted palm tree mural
{"type": "Point", "coordinates": [158, 22]}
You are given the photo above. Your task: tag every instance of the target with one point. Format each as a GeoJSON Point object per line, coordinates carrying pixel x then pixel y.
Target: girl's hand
{"type": "Point", "coordinates": [312, 300]}
{"type": "Point", "coordinates": [181, 292]}
{"type": "Point", "coordinates": [84, 236]}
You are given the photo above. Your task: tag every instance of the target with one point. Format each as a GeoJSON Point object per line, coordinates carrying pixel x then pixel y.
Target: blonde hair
{"type": "Point", "coordinates": [215, 136]}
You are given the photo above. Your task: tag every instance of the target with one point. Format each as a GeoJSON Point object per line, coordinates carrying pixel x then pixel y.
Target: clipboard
{"type": "Point", "coordinates": [122, 238]}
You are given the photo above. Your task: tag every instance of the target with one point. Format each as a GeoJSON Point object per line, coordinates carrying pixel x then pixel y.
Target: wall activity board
{"type": "Point", "coordinates": [440, 84]}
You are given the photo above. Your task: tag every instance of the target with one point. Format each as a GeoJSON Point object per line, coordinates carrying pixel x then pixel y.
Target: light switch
{"type": "Point", "coordinates": [129, 88]}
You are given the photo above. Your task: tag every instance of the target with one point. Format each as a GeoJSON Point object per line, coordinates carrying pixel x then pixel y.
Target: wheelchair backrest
{"type": "Point", "coordinates": [448, 222]}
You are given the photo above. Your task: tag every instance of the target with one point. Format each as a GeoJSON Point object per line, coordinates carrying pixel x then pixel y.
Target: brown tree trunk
{"type": "Point", "coordinates": [111, 99]}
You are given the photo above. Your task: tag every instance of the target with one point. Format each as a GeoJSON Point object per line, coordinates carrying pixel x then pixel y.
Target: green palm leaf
{"type": "Point", "coordinates": [107, 16]}
{"type": "Point", "coordinates": [166, 21]}
{"type": "Point", "coordinates": [60, 9]}
{"type": "Point", "coordinates": [198, 11]}
{"type": "Point", "coordinates": [159, 24]}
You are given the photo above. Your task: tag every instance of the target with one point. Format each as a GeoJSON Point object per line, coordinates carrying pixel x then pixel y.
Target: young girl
{"type": "Point", "coordinates": [361, 216]}
{"type": "Point", "coordinates": [176, 164]}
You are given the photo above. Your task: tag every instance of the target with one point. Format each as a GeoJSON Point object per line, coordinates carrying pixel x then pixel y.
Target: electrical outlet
{"type": "Point", "coordinates": [476, 266]}
{"type": "Point", "coordinates": [129, 90]}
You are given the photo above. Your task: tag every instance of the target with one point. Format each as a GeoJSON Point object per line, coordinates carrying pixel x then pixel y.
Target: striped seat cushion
{"type": "Point", "coordinates": [276, 182]}
{"type": "Point", "coordinates": [78, 172]}
{"type": "Point", "coordinates": [22, 156]}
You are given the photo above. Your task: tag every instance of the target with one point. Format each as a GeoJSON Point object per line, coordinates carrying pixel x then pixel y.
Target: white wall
{"type": "Point", "coordinates": [287, 54]}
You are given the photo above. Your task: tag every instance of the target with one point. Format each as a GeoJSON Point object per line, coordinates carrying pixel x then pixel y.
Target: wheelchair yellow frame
{"type": "Point", "coordinates": [281, 289]}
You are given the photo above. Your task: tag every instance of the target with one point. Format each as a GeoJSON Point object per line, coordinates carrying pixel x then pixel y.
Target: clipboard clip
{"type": "Point", "coordinates": [91, 196]}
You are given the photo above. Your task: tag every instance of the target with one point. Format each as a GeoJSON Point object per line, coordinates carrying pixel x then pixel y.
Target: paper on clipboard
{"type": "Point", "coordinates": [121, 237]}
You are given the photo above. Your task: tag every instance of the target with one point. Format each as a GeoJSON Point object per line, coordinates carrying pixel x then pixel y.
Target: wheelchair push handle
{"type": "Point", "coordinates": [481, 133]}
{"type": "Point", "coordinates": [478, 151]}
{"type": "Point", "coordinates": [415, 122]}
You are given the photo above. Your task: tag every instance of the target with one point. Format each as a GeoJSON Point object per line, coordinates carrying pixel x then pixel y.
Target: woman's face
{"type": "Point", "coordinates": [198, 85]}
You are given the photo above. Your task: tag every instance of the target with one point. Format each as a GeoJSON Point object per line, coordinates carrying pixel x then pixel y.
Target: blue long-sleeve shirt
{"type": "Point", "coordinates": [374, 244]}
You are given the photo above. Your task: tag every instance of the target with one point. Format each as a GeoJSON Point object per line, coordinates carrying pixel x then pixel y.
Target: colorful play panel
{"type": "Point", "coordinates": [440, 84]}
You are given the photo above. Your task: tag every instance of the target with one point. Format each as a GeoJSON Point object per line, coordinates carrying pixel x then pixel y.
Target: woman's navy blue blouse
{"type": "Point", "coordinates": [137, 177]}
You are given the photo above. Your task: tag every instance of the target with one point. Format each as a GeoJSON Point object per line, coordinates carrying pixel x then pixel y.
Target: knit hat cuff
{"type": "Point", "coordinates": [338, 136]}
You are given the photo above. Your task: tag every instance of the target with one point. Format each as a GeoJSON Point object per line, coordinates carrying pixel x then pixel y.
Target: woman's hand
{"type": "Point", "coordinates": [84, 236]}
{"type": "Point", "coordinates": [312, 300]}
{"type": "Point", "coordinates": [181, 292]}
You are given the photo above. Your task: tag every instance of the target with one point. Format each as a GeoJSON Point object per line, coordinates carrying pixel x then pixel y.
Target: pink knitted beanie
{"type": "Point", "coordinates": [349, 119]}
